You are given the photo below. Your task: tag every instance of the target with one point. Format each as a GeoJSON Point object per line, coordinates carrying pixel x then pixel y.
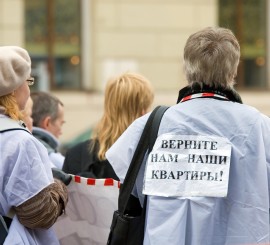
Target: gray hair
{"type": "Point", "coordinates": [44, 104]}
{"type": "Point", "coordinates": [211, 57]}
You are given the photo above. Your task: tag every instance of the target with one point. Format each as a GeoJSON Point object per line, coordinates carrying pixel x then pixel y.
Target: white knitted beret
{"type": "Point", "coordinates": [15, 68]}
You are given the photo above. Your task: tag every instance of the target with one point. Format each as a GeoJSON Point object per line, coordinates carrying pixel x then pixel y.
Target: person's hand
{"type": "Point", "coordinates": [61, 175]}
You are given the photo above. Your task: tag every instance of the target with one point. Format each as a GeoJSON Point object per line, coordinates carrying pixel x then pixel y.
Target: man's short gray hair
{"type": "Point", "coordinates": [44, 104]}
{"type": "Point", "coordinates": [211, 57]}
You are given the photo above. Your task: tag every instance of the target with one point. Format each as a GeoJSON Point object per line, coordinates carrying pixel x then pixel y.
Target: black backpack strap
{"type": "Point", "coordinates": [145, 144]}
{"type": "Point", "coordinates": [3, 230]}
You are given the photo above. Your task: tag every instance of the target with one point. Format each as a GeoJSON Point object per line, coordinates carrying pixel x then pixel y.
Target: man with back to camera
{"type": "Point", "coordinates": [48, 119]}
{"type": "Point", "coordinates": [207, 178]}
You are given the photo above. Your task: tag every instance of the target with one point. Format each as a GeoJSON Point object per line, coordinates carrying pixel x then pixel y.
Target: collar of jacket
{"type": "Point", "coordinates": [230, 94]}
{"type": "Point", "coordinates": [46, 137]}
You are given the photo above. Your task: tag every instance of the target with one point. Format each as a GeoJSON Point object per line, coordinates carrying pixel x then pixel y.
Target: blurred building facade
{"type": "Point", "coordinates": [79, 44]}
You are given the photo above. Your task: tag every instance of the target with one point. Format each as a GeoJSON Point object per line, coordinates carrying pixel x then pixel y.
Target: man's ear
{"type": "Point", "coordinates": [46, 122]}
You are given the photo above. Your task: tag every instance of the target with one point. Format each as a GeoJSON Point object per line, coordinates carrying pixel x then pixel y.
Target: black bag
{"type": "Point", "coordinates": [127, 226]}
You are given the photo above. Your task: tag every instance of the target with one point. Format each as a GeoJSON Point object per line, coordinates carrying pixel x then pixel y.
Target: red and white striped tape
{"type": "Point", "coordinates": [96, 182]}
{"type": "Point", "coordinates": [203, 95]}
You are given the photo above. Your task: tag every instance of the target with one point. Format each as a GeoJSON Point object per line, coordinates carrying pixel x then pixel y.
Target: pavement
{"type": "Point", "coordinates": [84, 109]}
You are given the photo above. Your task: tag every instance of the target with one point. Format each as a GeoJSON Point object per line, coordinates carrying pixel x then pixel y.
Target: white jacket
{"type": "Point", "coordinates": [24, 172]}
{"type": "Point", "coordinates": [242, 217]}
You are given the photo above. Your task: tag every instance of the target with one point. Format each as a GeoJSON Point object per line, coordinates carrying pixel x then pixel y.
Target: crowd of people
{"type": "Point", "coordinates": [206, 180]}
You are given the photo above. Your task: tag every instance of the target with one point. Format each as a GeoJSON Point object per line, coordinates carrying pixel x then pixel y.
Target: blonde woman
{"type": "Point", "coordinates": [127, 97]}
{"type": "Point", "coordinates": [31, 200]}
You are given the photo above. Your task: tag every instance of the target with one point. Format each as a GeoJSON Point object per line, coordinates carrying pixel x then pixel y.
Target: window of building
{"type": "Point", "coordinates": [247, 19]}
{"type": "Point", "coordinates": [52, 37]}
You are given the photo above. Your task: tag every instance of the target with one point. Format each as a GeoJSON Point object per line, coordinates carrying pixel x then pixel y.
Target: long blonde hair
{"type": "Point", "coordinates": [10, 107]}
{"type": "Point", "coordinates": [127, 97]}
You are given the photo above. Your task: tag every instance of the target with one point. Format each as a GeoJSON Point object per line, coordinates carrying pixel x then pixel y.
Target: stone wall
{"type": "Point", "coordinates": [146, 36]}
{"type": "Point", "coordinates": [12, 22]}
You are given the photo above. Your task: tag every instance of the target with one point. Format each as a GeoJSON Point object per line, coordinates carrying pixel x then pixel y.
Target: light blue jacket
{"type": "Point", "coordinates": [24, 171]}
{"type": "Point", "coordinates": [240, 218]}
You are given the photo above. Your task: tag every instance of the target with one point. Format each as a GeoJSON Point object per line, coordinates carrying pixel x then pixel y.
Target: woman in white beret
{"type": "Point", "coordinates": [29, 193]}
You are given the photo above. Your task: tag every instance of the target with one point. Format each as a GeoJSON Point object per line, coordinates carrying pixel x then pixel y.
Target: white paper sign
{"type": "Point", "coordinates": [89, 211]}
{"type": "Point", "coordinates": [188, 165]}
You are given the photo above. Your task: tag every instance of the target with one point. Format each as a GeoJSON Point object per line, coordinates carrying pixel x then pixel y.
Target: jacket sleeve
{"type": "Point", "coordinates": [43, 209]}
